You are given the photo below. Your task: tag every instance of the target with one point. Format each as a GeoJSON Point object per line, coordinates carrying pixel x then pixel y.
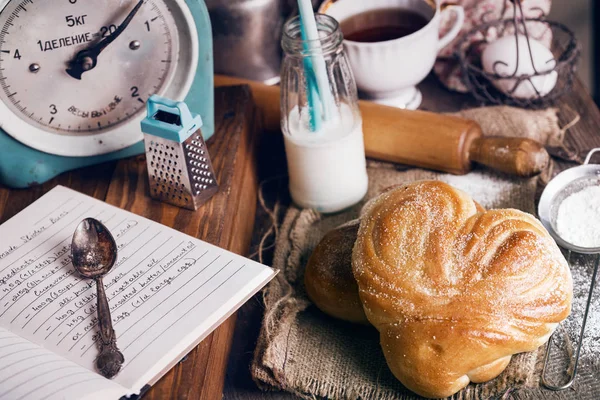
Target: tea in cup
{"type": "Point", "coordinates": [392, 44]}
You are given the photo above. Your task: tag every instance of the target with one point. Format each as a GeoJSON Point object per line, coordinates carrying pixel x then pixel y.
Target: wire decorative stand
{"type": "Point", "coordinates": [480, 83]}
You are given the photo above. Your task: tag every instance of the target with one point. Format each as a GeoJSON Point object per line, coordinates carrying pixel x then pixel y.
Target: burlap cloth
{"type": "Point", "coordinates": [305, 352]}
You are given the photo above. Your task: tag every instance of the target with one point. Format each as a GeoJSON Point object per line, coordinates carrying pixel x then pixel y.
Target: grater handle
{"type": "Point", "coordinates": [156, 103]}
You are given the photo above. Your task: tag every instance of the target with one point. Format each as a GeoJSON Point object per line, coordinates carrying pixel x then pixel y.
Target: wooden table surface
{"type": "Point", "coordinates": [124, 184]}
{"type": "Point", "coordinates": [239, 385]}
{"type": "Point", "coordinates": [225, 221]}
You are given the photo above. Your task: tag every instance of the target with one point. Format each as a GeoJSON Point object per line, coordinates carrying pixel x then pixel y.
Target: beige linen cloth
{"type": "Point", "coordinates": [303, 351]}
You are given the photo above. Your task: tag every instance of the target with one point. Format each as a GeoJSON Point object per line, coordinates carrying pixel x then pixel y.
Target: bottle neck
{"type": "Point", "coordinates": [329, 43]}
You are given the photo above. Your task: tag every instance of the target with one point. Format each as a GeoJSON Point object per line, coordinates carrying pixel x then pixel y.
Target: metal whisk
{"type": "Point", "coordinates": [558, 189]}
{"type": "Point", "coordinates": [179, 167]}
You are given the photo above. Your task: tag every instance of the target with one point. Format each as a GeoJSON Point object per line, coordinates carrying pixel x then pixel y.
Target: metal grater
{"type": "Point", "coordinates": [179, 167]}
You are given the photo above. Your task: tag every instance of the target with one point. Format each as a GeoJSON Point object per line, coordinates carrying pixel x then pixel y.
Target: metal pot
{"type": "Point", "coordinates": [246, 35]}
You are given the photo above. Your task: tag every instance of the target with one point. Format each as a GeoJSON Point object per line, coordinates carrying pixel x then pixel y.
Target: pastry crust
{"type": "Point", "coordinates": [455, 291]}
{"type": "Point", "coordinates": [328, 278]}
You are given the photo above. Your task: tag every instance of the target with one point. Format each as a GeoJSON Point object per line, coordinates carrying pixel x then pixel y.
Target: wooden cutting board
{"type": "Point", "coordinates": [226, 221]}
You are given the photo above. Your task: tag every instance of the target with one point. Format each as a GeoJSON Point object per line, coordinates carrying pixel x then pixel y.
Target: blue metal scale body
{"type": "Point", "coordinates": [21, 166]}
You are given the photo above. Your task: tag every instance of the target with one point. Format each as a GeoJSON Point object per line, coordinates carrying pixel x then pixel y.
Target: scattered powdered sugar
{"type": "Point", "coordinates": [582, 277]}
{"type": "Point", "coordinates": [578, 220]}
{"type": "Point", "coordinates": [489, 190]}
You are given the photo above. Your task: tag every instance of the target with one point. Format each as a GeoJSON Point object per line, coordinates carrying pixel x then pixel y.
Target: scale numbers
{"type": "Point", "coordinates": [41, 39]}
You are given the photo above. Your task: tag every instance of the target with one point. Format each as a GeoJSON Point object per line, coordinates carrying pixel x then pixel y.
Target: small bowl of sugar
{"type": "Point", "coordinates": [569, 207]}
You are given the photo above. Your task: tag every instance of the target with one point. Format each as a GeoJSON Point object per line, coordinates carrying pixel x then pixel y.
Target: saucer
{"type": "Point", "coordinates": [408, 100]}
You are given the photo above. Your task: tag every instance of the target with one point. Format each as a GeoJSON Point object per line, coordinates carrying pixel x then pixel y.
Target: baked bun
{"type": "Point", "coordinates": [455, 292]}
{"type": "Point", "coordinates": [328, 278]}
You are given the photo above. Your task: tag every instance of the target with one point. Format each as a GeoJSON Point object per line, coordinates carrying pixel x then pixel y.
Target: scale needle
{"type": "Point", "coordinates": [87, 59]}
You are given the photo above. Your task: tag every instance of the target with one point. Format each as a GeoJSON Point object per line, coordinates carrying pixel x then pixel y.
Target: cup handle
{"type": "Point", "coordinates": [452, 33]}
{"type": "Point", "coordinates": [590, 154]}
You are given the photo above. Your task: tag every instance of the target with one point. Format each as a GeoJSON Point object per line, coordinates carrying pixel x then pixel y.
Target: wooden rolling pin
{"type": "Point", "coordinates": [420, 138]}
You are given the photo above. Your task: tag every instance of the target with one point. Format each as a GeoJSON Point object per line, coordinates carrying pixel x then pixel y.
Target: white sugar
{"type": "Point", "coordinates": [582, 277]}
{"type": "Point", "coordinates": [578, 220]}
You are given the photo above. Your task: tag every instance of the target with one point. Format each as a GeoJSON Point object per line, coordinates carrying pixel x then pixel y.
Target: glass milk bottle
{"type": "Point", "coordinates": [327, 167]}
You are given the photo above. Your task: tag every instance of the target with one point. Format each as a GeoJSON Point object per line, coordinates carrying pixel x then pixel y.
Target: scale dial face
{"type": "Point", "coordinates": [97, 110]}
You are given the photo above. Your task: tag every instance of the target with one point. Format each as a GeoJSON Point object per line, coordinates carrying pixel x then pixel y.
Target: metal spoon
{"type": "Point", "coordinates": [94, 253]}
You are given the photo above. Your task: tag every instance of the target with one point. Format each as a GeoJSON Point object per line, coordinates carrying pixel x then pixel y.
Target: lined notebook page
{"type": "Point", "coordinates": [28, 372]}
{"type": "Point", "coordinates": [166, 292]}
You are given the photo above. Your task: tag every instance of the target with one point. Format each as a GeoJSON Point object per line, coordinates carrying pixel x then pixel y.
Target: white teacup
{"type": "Point", "coordinates": [388, 72]}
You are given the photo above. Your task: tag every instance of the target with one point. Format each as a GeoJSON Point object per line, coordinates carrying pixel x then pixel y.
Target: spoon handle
{"type": "Point", "coordinates": [110, 359]}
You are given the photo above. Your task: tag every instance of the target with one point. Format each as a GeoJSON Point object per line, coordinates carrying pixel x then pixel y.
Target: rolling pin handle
{"type": "Point", "coordinates": [516, 156]}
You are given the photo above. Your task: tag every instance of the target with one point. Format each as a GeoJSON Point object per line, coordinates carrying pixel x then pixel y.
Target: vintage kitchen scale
{"type": "Point", "coordinates": [76, 74]}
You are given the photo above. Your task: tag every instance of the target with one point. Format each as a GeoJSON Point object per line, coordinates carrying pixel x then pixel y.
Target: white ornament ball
{"type": "Point", "coordinates": [505, 50]}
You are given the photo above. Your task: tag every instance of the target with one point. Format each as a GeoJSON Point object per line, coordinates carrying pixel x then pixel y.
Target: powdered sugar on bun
{"type": "Point", "coordinates": [455, 290]}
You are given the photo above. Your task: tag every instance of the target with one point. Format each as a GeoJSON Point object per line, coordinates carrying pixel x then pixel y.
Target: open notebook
{"type": "Point", "coordinates": [166, 293]}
